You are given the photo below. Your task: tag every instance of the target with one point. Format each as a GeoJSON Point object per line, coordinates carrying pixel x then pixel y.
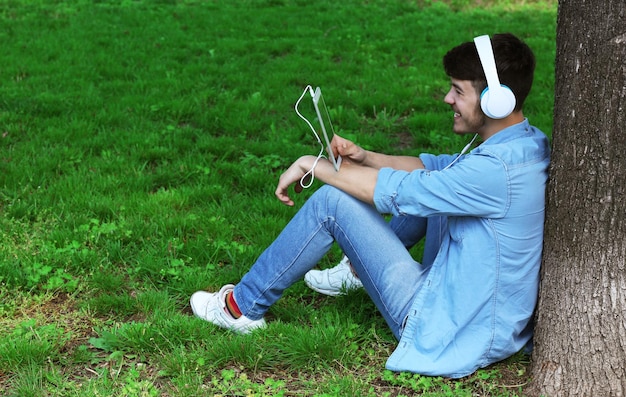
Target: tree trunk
{"type": "Point", "coordinates": [580, 332]}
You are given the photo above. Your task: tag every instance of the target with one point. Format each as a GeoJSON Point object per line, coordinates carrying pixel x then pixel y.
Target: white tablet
{"type": "Point", "coordinates": [324, 119]}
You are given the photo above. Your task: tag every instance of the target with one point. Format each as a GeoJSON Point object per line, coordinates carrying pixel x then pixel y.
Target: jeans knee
{"type": "Point", "coordinates": [329, 196]}
{"type": "Point", "coordinates": [327, 191]}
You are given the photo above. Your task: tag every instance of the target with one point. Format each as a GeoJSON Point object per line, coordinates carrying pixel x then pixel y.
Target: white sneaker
{"type": "Point", "coordinates": [334, 281]}
{"type": "Point", "coordinates": [212, 308]}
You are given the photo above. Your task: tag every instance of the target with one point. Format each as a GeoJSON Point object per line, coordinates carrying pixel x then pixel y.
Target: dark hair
{"type": "Point", "coordinates": [515, 63]}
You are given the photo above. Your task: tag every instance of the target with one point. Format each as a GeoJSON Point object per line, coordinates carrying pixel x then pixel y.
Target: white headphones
{"type": "Point", "coordinates": [497, 100]}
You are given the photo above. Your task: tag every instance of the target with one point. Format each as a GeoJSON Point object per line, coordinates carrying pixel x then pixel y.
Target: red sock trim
{"type": "Point", "coordinates": [232, 306]}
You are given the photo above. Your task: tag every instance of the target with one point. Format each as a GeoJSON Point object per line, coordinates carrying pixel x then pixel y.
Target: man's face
{"type": "Point", "coordinates": [465, 102]}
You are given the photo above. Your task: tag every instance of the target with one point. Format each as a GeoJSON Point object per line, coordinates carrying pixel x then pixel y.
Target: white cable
{"type": "Point", "coordinates": [462, 152]}
{"type": "Point", "coordinates": [310, 172]}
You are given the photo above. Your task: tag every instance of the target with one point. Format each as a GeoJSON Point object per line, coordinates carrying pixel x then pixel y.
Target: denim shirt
{"type": "Point", "coordinates": [475, 304]}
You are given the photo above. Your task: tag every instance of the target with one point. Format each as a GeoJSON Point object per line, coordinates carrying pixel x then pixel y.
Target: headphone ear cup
{"type": "Point", "coordinates": [497, 103]}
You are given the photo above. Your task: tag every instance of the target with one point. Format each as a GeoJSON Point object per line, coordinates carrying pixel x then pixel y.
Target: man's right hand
{"type": "Point", "coordinates": [348, 150]}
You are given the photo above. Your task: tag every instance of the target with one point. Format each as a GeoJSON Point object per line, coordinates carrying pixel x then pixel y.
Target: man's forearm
{"type": "Point", "coordinates": [379, 160]}
{"type": "Point", "coordinates": [356, 180]}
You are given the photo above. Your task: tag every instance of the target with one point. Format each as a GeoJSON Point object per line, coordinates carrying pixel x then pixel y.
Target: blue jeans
{"type": "Point", "coordinates": [376, 249]}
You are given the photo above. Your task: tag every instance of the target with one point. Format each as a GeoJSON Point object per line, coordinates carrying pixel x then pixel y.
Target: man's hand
{"type": "Point", "coordinates": [293, 176]}
{"type": "Point", "coordinates": [348, 150]}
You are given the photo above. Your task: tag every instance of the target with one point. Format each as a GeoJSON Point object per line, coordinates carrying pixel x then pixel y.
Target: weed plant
{"type": "Point", "coordinates": [140, 145]}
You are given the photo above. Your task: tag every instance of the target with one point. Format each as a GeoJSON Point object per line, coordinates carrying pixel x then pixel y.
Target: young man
{"type": "Point", "coordinates": [469, 302]}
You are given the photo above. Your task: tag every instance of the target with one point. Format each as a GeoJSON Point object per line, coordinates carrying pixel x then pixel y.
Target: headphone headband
{"type": "Point", "coordinates": [497, 100]}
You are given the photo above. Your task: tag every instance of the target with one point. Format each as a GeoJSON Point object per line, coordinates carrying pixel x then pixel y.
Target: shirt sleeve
{"type": "Point", "coordinates": [476, 185]}
{"type": "Point", "coordinates": [436, 162]}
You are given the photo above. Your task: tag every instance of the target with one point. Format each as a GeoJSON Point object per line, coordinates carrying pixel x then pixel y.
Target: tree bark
{"type": "Point", "coordinates": [580, 332]}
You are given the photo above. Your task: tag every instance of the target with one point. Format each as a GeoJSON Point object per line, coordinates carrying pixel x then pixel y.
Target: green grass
{"type": "Point", "coordinates": [140, 144]}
